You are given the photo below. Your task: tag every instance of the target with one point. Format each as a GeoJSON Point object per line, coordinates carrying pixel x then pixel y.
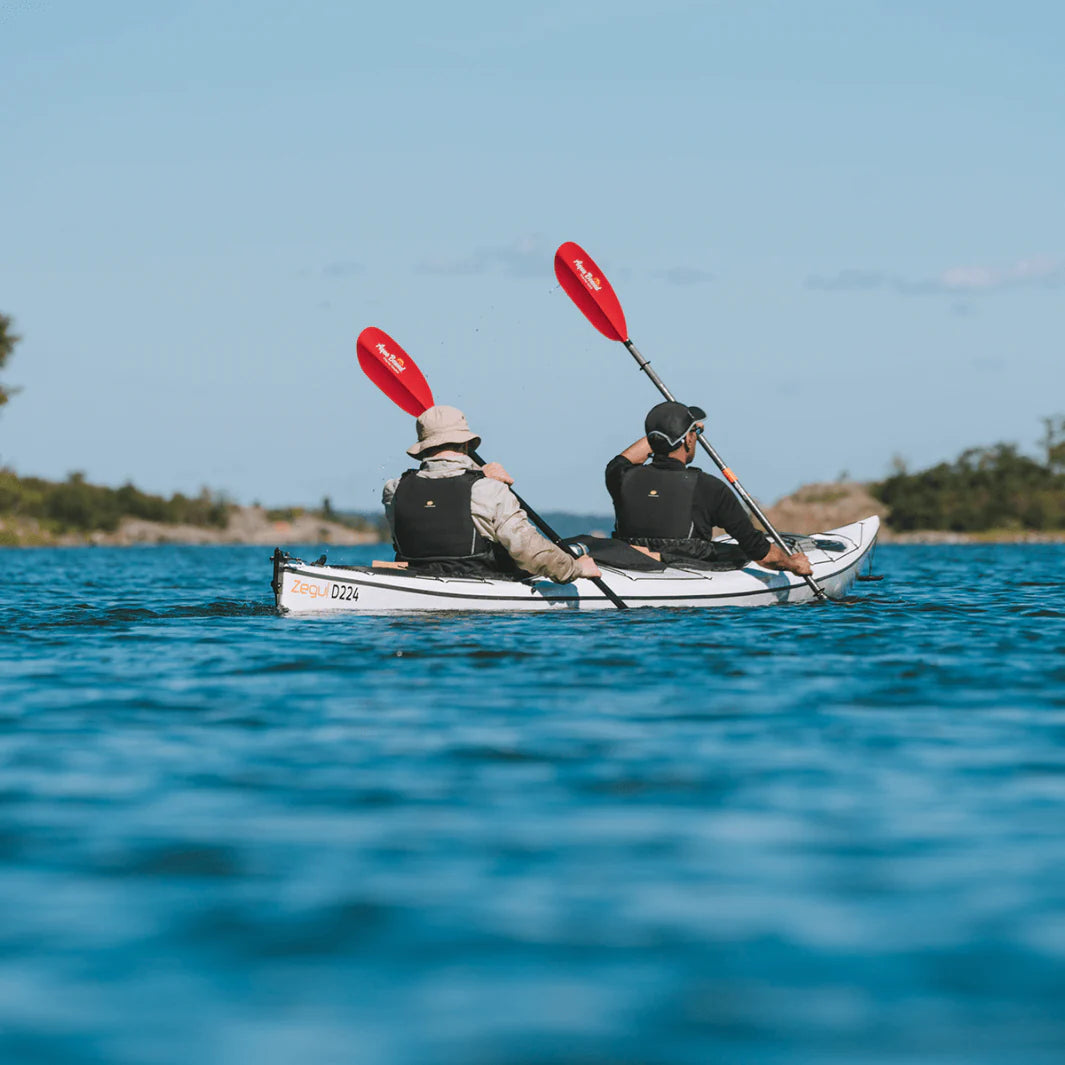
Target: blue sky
{"type": "Point", "coordinates": [838, 226]}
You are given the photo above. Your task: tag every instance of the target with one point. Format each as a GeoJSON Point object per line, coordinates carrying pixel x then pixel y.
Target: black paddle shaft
{"type": "Point", "coordinates": [732, 479]}
{"type": "Point", "coordinates": [557, 541]}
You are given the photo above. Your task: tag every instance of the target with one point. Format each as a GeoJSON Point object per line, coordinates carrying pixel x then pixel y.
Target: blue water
{"type": "Point", "coordinates": [782, 835]}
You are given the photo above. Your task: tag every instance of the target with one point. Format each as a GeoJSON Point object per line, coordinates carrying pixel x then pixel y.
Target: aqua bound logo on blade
{"type": "Point", "coordinates": [593, 282]}
{"type": "Point", "coordinates": [394, 361]}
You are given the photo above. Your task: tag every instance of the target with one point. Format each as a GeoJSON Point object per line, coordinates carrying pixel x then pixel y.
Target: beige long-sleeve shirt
{"type": "Point", "coordinates": [498, 517]}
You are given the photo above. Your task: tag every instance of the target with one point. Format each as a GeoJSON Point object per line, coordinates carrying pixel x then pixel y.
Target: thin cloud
{"type": "Point", "coordinates": [683, 275]}
{"type": "Point", "coordinates": [1040, 272]}
{"type": "Point", "coordinates": [342, 268]}
{"type": "Point", "coordinates": [523, 258]}
{"type": "Point", "coordinates": [850, 281]}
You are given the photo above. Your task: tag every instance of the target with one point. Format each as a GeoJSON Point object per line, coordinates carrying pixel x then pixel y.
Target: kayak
{"type": "Point", "coordinates": [836, 557]}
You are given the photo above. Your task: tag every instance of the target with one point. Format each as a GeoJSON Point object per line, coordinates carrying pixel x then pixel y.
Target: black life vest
{"type": "Point", "coordinates": [432, 523]}
{"type": "Point", "coordinates": [655, 504]}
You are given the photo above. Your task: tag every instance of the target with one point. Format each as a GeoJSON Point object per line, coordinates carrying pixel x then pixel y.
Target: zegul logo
{"type": "Point", "coordinates": [590, 280]}
{"type": "Point", "coordinates": [394, 361]}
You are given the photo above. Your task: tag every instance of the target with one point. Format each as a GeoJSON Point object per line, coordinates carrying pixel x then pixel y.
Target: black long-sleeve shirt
{"type": "Point", "coordinates": [713, 504]}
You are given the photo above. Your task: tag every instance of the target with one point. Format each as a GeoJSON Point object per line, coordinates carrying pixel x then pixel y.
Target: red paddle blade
{"type": "Point", "coordinates": [589, 289]}
{"type": "Point", "coordinates": [393, 371]}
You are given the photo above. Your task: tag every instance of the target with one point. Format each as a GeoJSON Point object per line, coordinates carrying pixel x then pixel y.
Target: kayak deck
{"type": "Point", "coordinates": [837, 556]}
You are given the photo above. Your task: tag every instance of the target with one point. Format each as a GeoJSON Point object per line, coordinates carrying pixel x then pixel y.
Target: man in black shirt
{"type": "Point", "coordinates": [672, 507]}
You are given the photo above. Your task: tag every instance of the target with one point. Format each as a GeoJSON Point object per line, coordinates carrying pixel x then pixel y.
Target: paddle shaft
{"type": "Point", "coordinates": [395, 373]}
{"type": "Point", "coordinates": [729, 476]}
{"type": "Point", "coordinates": [557, 541]}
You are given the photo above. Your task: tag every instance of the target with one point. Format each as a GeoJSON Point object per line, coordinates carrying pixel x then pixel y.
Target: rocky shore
{"type": "Point", "coordinates": [816, 507]}
{"type": "Point", "coordinates": [246, 525]}
{"type": "Point", "coordinates": [813, 508]}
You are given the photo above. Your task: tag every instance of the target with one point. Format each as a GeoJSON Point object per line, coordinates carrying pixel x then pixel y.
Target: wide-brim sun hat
{"type": "Point", "coordinates": [442, 425]}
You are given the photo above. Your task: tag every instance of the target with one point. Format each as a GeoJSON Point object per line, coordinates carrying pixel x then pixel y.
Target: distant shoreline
{"type": "Point", "coordinates": [249, 526]}
{"type": "Point", "coordinates": [941, 538]}
{"type": "Point", "coordinates": [811, 509]}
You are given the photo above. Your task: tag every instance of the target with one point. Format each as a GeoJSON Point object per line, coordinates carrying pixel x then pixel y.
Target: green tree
{"type": "Point", "coordinates": [8, 340]}
{"type": "Point", "coordinates": [1054, 443]}
{"type": "Point", "coordinates": [983, 488]}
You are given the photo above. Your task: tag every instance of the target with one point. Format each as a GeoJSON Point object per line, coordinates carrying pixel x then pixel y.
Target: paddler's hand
{"type": "Point", "coordinates": [586, 567]}
{"type": "Point", "coordinates": [497, 473]}
{"type": "Point", "coordinates": [776, 559]}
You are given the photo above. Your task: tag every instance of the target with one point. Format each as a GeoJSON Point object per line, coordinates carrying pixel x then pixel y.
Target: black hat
{"type": "Point", "coordinates": [669, 423]}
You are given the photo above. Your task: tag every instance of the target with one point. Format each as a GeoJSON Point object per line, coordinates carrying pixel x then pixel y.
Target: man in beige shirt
{"type": "Point", "coordinates": [452, 517]}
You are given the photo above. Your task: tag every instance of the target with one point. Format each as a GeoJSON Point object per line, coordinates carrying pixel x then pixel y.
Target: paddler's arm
{"type": "Point", "coordinates": [498, 516]}
{"type": "Point", "coordinates": [639, 452]}
{"type": "Point", "coordinates": [718, 505]}
{"type": "Point", "coordinates": [777, 559]}
{"type": "Point", "coordinates": [617, 468]}
{"type": "Point", "coordinates": [496, 472]}
{"type": "Point", "coordinates": [388, 494]}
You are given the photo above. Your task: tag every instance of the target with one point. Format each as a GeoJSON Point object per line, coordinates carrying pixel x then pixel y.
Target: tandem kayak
{"type": "Point", "coordinates": [836, 556]}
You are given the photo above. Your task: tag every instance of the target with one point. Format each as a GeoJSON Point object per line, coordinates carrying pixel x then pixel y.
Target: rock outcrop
{"type": "Point", "coordinates": [246, 525]}
{"type": "Point", "coordinates": [816, 507]}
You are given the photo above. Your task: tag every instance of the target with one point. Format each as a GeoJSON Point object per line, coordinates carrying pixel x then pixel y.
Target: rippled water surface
{"type": "Point", "coordinates": [782, 835]}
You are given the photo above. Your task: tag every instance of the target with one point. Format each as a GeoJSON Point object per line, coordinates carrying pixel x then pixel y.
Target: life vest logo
{"type": "Point", "coordinates": [430, 503]}
{"type": "Point", "coordinates": [394, 361]}
{"type": "Point", "coordinates": [589, 279]}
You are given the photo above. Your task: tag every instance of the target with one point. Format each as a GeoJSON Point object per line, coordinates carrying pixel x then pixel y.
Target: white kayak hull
{"type": "Point", "coordinates": [300, 587]}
